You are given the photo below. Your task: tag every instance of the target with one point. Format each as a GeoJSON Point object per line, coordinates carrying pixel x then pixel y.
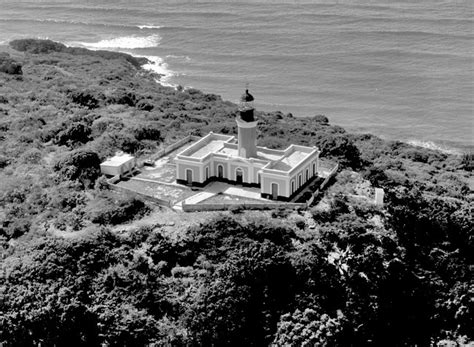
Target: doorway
{"type": "Point", "coordinates": [239, 176]}
{"type": "Point", "coordinates": [274, 191]}
{"type": "Point", "coordinates": [220, 171]}
{"type": "Point", "coordinates": [189, 176]}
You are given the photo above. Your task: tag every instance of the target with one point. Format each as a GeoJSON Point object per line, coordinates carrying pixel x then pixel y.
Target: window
{"type": "Point", "coordinates": [220, 171]}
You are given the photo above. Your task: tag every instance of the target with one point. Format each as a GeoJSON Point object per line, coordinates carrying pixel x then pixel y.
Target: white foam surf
{"type": "Point", "coordinates": [158, 66]}
{"type": "Point", "coordinates": [433, 146]}
{"type": "Point", "coordinates": [179, 57]}
{"type": "Point", "coordinates": [124, 42]}
{"type": "Point", "coordinates": [149, 26]}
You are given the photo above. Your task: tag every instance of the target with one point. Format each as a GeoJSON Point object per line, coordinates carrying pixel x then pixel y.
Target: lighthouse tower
{"type": "Point", "coordinates": [247, 127]}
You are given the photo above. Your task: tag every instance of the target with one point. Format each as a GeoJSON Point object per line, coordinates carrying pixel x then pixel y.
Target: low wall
{"type": "Point", "coordinates": [143, 196]}
{"type": "Point", "coordinates": [113, 179]}
{"type": "Point", "coordinates": [244, 206]}
{"type": "Point", "coordinates": [323, 185]}
{"type": "Point", "coordinates": [331, 175]}
{"type": "Point", "coordinates": [173, 146]}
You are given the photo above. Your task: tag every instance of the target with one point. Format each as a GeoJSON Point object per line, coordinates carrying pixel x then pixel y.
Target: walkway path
{"type": "Point", "coordinates": [243, 192]}
{"type": "Point", "coordinates": [197, 198]}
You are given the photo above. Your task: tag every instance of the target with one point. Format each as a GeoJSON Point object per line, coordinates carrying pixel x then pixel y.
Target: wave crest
{"type": "Point", "coordinates": [433, 146]}
{"type": "Point", "coordinates": [158, 66]}
{"type": "Point", "coordinates": [149, 26]}
{"type": "Point", "coordinates": [124, 42]}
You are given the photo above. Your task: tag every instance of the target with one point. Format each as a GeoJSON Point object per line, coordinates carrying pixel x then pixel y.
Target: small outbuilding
{"type": "Point", "coordinates": [120, 164]}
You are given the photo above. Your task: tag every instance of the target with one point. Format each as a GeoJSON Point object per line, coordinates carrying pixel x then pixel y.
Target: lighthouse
{"type": "Point", "coordinates": [247, 127]}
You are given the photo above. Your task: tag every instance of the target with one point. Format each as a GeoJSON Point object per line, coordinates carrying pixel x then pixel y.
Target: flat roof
{"type": "Point", "coordinates": [118, 159]}
{"type": "Point", "coordinates": [262, 154]}
{"type": "Point", "coordinates": [290, 161]}
{"type": "Point", "coordinates": [210, 147]}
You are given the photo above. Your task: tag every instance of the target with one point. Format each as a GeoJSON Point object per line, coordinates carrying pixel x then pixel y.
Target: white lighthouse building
{"type": "Point", "coordinates": [280, 174]}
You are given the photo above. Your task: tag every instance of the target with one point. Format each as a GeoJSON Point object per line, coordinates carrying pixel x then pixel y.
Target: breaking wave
{"type": "Point", "coordinates": [158, 66]}
{"type": "Point", "coordinates": [149, 26]}
{"type": "Point", "coordinates": [433, 146]}
{"type": "Point", "coordinates": [125, 42]}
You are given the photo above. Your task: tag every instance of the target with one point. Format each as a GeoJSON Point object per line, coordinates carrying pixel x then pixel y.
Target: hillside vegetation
{"type": "Point", "coordinates": [72, 275]}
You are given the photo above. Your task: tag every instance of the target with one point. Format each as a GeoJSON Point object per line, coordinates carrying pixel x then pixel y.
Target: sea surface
{"type": "Point", "coordinates": [398, 69]}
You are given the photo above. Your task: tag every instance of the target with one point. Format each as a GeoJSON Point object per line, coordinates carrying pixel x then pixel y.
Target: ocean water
{"type": "Point", "coordinates": [399, 69]}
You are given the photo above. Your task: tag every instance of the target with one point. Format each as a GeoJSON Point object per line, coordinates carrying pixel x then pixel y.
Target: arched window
{"type": "Point", "coordinates": [300, 180]}
{"type": "Point", "coordinates": [314, 169]}
{"type": "Point", "coordinates": [307, 175]}
{"type": "Point", "coordinates": [292, 186]}
{"type": "Point", "coordinates": [220, 171]}
{"type": "Point", "coordinates": [207, 173]}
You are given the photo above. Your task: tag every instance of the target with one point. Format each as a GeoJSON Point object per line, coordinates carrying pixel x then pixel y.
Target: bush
{"type": "Point", "coordinates": [86, 98]}
{"type": "Point", "coordinates": [149, 131]}
{"type": "Point", "coordinates": [75, 133]}
{"type": "Point", "coordinates": [8, 65]}
{"type": "Point", "coordinates": [80, 165]}
{"type": "Point", "coordinates": [4, 162]}
{"type": "Point", "coordinates": [37, 46]}
{"type": "Point", "coordinates": [341, 147]}
{"type": "Point", "coordinates": [107, 211]}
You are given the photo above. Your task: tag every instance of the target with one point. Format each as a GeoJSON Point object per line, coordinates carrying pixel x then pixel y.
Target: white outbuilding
{"type": "Point", "coordinates": [120, 164]}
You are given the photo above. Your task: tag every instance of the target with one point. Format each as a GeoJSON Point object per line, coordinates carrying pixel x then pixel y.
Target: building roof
{"type": "Point", "coordinates": [289, 161]}
{"type": "Point", "coordinates": [212, 146]}
{"type": "Point", "coordinates": [118, 159]}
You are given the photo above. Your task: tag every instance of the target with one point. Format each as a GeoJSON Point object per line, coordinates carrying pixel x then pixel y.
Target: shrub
{"type": "Point", "coordinates": [37, 46]}
{"type": "Point", "coordinates": [4, 162]}
{"type": "Point", "coordinates": [8, 65]}
{"type": "Point", "coordinates": [75, 133]}
{"type": "Point", "coordinates": [107, 211]}
{"type": "Point", "coordinates": [86, 98]}
{"type": "Point", "coordinates": [149, 131]}
{"type": "Point", "coordinates": [145, 105]}
{"type": "Point", "coordinates": [80, 165]}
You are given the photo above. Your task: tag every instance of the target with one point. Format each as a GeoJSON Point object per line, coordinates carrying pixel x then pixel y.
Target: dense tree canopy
{"type": "Point", "coordinates": [85, 265]}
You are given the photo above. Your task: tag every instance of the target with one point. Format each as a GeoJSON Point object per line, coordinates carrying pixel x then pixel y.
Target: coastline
{"type": "Point", "coordinates": [159, 69]}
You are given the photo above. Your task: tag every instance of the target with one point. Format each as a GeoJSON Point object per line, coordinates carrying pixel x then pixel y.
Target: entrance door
{"type": "Point", "coordinates": [274, 191]}
{"type": "Point", "coordinates": [220, 171]}
{"type": "Point", "coordinates": [239, 176]}
{"type": "Point", "coordinates": [189, 176]}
